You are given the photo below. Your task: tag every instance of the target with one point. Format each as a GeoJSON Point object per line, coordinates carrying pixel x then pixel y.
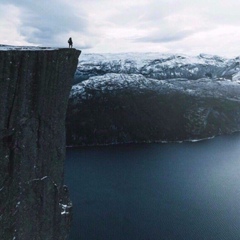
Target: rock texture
{"type": "Point", "coordinates": [124, 108]}
{"type": "Point", "coordinates": [34, 89]}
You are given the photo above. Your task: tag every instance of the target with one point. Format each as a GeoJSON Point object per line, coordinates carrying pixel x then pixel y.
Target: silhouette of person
{"type": "Point", "coordinates": [70, 42]}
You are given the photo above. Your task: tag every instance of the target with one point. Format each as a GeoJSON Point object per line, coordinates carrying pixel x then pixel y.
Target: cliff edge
{"type": "Point", "coordinates": [34, 90]}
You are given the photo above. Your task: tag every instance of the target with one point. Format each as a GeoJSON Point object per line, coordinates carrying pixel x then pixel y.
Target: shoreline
{"type": "Point", "coordinates": [144, 142]}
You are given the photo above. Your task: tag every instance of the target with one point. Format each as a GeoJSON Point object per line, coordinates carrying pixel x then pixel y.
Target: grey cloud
{"type": "Point", "coordinates": [211, 13]}
{"type": "Point", "coordinates": [43, 20]}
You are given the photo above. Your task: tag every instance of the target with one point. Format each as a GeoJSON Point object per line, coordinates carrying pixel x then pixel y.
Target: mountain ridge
{"type": "Point", "coordinates": [157, 66]}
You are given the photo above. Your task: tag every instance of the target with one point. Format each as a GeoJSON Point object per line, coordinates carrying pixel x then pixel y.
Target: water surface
{"type": "Point", "coordinates": [156, 191]}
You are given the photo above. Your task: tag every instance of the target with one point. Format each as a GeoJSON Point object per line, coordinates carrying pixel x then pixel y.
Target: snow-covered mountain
{"type": "Point", "coordinates": [116, 108]}
{"type": "Point", "coordinates": [112, 82]}
{"type": "Point", "coordinates": [158, 66]}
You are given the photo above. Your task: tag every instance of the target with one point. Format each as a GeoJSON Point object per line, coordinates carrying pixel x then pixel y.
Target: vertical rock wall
{"type": "Point", "coordinates": [34, 90]}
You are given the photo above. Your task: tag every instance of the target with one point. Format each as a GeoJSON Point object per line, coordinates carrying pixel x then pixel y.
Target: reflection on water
{"type": "Point", "coordinates": [156, 191]}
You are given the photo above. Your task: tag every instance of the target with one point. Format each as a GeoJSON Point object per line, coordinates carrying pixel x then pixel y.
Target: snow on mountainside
{"type": "Point", "coordinates": [112, 81]}
{"type": "Point", "coordinates": [149, 97]}
{"type": "Point", "coordinates": [157, 66]}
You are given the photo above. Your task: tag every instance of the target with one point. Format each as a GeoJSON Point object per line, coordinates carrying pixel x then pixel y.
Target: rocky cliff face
{"type": "Point", "coordinates": [34, 90]}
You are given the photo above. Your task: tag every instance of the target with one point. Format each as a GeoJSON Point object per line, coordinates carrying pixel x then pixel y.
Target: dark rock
{"type": "Point", "coordinates": [34, 89]}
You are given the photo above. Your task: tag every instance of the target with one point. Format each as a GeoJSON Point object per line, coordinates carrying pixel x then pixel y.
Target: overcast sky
{"type": "Point", "coordinates": [167, 26]}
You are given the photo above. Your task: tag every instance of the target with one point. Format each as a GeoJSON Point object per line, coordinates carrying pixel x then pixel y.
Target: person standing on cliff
{"type": "Point", "coordinates": [70, 42]}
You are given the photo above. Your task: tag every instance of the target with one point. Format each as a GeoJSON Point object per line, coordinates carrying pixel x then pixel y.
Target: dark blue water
{"type": "Point", "coordinates": [156, 191]}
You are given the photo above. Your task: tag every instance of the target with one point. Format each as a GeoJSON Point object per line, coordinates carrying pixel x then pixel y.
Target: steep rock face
{"type": "Point", "coordinates": [122, 108]}
{"type": "Point", "coordinates": [34, 90]}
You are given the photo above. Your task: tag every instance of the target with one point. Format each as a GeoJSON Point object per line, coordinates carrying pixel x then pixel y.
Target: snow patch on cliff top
{"type": "Point", "coordinates": [25, 48]}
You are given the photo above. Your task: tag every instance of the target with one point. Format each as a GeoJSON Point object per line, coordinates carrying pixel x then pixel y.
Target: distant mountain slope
{"type": "Point", "coordinates": [123, 108]}
{"type": "Point", "coordinates": [157, 66]}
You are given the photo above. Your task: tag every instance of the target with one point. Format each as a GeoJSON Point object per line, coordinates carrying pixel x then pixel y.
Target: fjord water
{"type": "Point", "coordinates": [156, 191]}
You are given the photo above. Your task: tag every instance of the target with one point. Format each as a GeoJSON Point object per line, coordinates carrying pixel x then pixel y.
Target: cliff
{"type": "Point", "coordinates": [34, 91]}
